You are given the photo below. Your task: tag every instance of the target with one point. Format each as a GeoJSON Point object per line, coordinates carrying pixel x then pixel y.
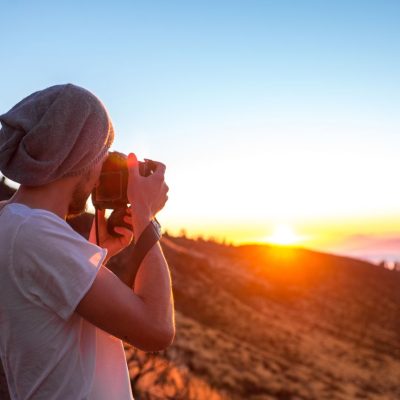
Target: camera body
{"type": "Point", "coordinates": [111, 192]}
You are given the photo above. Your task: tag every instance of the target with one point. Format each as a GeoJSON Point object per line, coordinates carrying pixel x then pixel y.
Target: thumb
{"type": "Point", "coordinates": [133, 165]}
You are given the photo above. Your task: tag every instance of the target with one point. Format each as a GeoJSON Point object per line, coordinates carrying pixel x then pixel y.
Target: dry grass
{"type": "Point", "coordinates": [268, 323]}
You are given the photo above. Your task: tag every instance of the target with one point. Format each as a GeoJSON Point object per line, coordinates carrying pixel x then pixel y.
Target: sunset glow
{"type": "Point", "coordinates": [283, 235]}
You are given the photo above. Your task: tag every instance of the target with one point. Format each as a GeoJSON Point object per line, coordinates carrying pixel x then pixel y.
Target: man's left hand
{"type": "Point", "coordinates": [113, 244]}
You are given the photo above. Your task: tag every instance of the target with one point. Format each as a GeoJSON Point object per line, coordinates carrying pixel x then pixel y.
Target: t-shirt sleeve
{"type": "Point", "coordinates": [54, 266]}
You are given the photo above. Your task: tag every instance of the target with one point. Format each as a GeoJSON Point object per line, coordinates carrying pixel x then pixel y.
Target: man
{"type": "Point", "coordinates": [63, 314]}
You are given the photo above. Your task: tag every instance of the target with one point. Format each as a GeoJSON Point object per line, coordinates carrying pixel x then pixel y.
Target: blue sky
{"type": "Point", "coordinates": [265, 112]}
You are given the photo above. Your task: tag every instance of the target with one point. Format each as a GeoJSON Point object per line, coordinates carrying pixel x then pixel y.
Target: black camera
{"type": "Point", "coordinates": [111, 192]}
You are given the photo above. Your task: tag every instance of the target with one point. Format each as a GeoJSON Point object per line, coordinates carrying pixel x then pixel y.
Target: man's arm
{"type": "Point", "coordinates": [153, 285]}
{"type": "Point", "coordinates": [142, 315]}
{"type": "Point", "coordinates": [153, 282]}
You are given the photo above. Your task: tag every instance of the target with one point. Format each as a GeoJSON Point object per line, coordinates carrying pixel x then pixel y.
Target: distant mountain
{"type": "Point", "coordinates": [374, 248]}
{"type": "Point", "coordinates": [267, 322]}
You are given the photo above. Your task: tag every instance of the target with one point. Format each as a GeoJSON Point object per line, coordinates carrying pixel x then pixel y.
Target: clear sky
{"type": "Point", "coordinates": [265, 112]}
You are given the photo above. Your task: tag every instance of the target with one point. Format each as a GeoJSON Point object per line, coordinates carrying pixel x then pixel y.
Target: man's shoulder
{"type": "Point", "coordinates": [40, 223]}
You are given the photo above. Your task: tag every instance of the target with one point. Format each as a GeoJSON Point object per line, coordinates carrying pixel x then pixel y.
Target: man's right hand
{"type": "Point", "coordinates": [147, 195]}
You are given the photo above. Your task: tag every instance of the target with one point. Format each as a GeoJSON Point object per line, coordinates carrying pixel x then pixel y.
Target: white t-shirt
{"type": "Point", "coordinates": [48, 350]}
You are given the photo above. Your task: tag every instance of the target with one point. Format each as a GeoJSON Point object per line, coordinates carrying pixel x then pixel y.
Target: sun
{"type": "Point", "coordinates": [283, 235]}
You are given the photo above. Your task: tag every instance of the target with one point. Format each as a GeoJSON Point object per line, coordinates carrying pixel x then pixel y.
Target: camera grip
{"type": "Point", "coordinates": [117, 219]}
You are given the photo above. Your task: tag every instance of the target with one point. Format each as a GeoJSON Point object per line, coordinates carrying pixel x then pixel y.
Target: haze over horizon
{"type": "Point", "coordinates": [273, 118]}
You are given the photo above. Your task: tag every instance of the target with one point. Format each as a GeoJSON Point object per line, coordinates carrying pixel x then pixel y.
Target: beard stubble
{"type": "Point", "coordinates": [79, 197]}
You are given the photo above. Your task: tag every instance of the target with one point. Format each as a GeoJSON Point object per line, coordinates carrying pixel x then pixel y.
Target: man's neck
{"type": "Point", "coordinates": [34, 199]}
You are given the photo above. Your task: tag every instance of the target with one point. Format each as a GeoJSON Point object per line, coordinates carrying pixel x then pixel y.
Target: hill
{"type": "Point", "coordinates": [266, 322]}
{"type": "Point", "coordinates": [283, 323]}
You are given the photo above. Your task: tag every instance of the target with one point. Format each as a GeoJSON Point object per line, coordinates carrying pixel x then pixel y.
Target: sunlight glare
{"type": "Point", "coordinates": [283, 235]}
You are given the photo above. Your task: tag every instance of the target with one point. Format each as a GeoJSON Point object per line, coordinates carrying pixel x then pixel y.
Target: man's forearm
{"type": "Point", "coordinates": [153, 285]}
{"type": "Point", "coordinates": [151, 281]}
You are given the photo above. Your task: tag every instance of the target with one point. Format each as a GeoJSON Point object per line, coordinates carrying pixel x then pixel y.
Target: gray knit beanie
{"type": "Point", "coordinates": [60, 131]}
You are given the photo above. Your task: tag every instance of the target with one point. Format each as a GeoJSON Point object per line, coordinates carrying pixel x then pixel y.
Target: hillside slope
{"type": "Point", "coordinates": [282, 323]}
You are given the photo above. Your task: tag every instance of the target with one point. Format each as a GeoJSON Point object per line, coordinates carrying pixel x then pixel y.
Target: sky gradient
{"type": "Point", "coordinates": [264, 112]}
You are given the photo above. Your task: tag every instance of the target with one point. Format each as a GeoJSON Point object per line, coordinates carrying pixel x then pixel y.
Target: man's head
{"type": "Point", "coordinates": [57, 132]}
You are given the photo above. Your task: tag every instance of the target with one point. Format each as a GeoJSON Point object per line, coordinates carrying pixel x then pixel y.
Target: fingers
{"type": "Point", "coordinates": [127, 234]}
{"type": "Point", "coordinates": [166, 199]}
{"type": "Point", "coordinates": [122, 230]}
{"type": "Point", "coordinates": [149, 192]}
{"type": "Point", "coordinates": [128, 219]}
{"type": "Point", "coordinates": [133, 164]}
{"type": "Point", "coordinates": [160, 170]}
{"type": "Point", "coordinates": [165, 190]}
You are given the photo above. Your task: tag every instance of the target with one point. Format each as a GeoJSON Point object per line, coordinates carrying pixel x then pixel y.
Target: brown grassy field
{"type": "Point", "coordinates": [263, 322]}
